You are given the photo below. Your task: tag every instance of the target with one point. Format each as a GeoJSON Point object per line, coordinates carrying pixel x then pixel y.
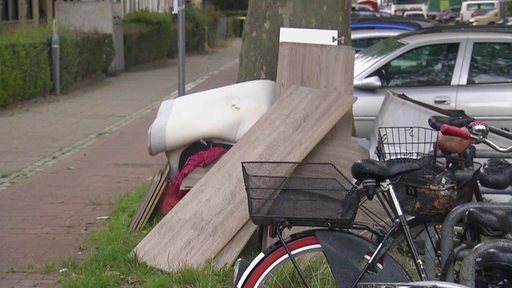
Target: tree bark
{"type": "Point", "coordinates": [258, 56]}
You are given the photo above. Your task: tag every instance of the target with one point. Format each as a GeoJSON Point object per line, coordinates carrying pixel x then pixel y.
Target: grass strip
{"type": "Point", "coordinates": [109, 263]}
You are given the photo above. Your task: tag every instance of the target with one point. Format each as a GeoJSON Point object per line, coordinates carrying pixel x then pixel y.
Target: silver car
{"type": "Point", "coordinates": [464, 68]}
{"type": "Point", "coordinates": [363, 38]}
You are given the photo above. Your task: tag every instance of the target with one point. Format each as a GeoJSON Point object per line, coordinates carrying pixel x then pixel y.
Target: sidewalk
{"type": "Point", "coordinates": [66, 159]}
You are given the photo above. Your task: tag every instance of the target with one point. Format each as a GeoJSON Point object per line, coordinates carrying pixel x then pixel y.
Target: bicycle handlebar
{"type": "Point", "coordinates": [459, 121]}
{"type": "Point", "coordinates": [475, 134]}
{"type": "Point", "coordinates": [449, 130]}
{"type": "Point", "coordinates": [453, 115]}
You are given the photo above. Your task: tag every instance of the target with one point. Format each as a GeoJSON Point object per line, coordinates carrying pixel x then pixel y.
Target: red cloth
{"type": "Point", "coordinates": [172, 194]}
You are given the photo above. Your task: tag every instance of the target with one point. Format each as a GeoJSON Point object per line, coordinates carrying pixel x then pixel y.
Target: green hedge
{"type": "Point", "coordinates": [147, 37]}
{"type": "Point", "coordinates": [198, 21]}
{"type": "Point", "coordinates": [24, 72]}
{"type": "Point", "coordinates": [150, 36]}
{"type": "Point", "coordinates": [83, 56]}
{"type": "Point", "coordinates": [26, 61]}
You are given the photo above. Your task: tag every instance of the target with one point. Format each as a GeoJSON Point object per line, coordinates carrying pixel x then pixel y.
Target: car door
{"type": "Point", "coordinates": [487, 78]}
{"type": "Point", "coordinates": [426, 72]}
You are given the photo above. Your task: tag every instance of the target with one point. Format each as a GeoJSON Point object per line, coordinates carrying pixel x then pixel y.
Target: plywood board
{"type": "Point", "coordinates": [318, 66]}
{"type": "Point", "coordinates": [315, 66]}
{"type": "Point", "coordinates": [215, 210]}
{"type": "Point", "coordinates": [235, 245]}
{"type": "Point", "coordinates": [150, 199]}
{"type": "Point", "coordinates": [341, 153]}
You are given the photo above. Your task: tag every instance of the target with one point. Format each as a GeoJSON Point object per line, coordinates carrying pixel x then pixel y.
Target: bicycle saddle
{"type": "Point", "coordinates": [382, 170]}
{"type": "Point", "coordinates": [488, 221]}
{"type": "Point", "coordinates": [495, 259]}
{"type": "Point", "coordinates": [496, 174]}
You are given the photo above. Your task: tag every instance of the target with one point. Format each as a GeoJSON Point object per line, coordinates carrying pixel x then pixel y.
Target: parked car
{"type": "Point", "coordinates": [415, 14]}
{"type": "Point", "coordinates": [468, 7]}
{"type": "Point", "coordinates": [448, 15]}
{"type": "Point", "coordinates": [484, 17]}
{"type": "Point", "coordinates": [364, 10]}
{"type": "Point", "coordinates": [453, 67]}
{"type": "Point", "coordinates": [505, 21]}
{"type": "Point", "coordinates": [395, 22]}
{"type": "Point", "coordinates": [364, 38]}
{"type": "Point", "coordinates": [369, 30]}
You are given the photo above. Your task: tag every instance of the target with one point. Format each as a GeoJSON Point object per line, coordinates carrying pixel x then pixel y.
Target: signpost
{"type": "Point", "coordinates": [179, 8]}
{"type": "Point", "coordinates": [55, 59]}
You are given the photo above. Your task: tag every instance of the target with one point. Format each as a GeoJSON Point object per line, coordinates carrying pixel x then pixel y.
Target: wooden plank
{"type": "Point", "coordinates": [235, 245]}
{"type": "Point", "coordinates": [340, 152]}
{"type": "Point", "coordinates": [315, 66]}
{"type": "Point", "coordinates": [213, 212]}
{"type": "Point", "coordinates": [150, 199]}
{"type": "Point", "coordinates": [318, 66]}
{"type": "Point", "coordinates": [194, 177]}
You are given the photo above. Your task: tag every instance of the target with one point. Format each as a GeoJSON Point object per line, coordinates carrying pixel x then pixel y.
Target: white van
{"type": "Point", "coordinates": [470, 6]}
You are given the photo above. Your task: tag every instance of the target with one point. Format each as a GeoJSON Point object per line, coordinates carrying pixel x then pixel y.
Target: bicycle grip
{"type": "Point", "coordinates": [454, 131]}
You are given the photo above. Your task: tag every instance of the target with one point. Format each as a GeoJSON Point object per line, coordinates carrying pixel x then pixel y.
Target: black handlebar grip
{"type": "Point", "coordinates": [435, 122]}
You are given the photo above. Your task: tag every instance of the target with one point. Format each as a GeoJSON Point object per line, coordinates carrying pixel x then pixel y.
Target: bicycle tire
{"type": "Point", "coordinates": [276, 270]}
{"type": "Point", "coordinates": [266, 272]}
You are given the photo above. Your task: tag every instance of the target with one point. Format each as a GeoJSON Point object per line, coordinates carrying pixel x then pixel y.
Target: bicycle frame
{"type": "Point", "coordinates": [401, 224]}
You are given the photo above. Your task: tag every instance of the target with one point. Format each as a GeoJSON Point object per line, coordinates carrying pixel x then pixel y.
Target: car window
{"type": "Point", "coordinates": [476, 6]}
{"type": "Point", "coordinates": [490, 63]}
{"type": "Point", "coordinates": [369, 56]}
{"type": "Point", "coordinates": [430, 65]}
{"type": "Point", "coordinates": [360, 44]}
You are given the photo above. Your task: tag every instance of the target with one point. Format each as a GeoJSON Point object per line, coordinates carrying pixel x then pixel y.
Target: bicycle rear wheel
{"type": "Point", "coordinates": [348, 253]}
{"type": "Point", "coordinates": [276, 269]}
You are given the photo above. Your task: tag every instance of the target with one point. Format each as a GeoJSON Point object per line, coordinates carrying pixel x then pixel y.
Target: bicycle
{"type": "Point", "coordinates": [364, 260]}
{"type": "Point", "coordinates": [488, 227]}
{"type": "Point", "coordinates": [326, 190]}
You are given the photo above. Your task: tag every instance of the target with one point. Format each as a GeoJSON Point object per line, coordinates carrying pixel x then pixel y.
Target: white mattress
{"type": "Point", "coordinates": [224, 113]}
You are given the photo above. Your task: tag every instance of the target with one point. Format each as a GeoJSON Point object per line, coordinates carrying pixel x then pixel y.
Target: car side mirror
{"type": "Point", "coordinates": [369, 83]}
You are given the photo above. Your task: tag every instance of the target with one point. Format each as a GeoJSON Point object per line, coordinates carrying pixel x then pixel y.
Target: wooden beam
{"type": "Point", "coordinates": [215, 209]}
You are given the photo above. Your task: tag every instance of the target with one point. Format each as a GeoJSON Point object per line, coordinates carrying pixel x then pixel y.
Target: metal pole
{"type": "Point", "coordinates": [56, 59]}
{"type": "Point", "coordinates": [181, 48]}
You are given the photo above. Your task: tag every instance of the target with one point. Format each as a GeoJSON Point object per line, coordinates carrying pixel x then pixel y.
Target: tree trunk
{"type": "Point", "coordinates": [258, 57]}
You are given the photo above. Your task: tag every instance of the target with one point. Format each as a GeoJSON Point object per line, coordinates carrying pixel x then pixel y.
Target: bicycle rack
{"type": "Point", "coordinates": [467, 270]}
{"type": "Point", "coordinates": [447, 231]}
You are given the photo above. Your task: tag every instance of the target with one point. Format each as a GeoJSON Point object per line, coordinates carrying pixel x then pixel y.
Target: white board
{"type": "Point", "coordinates": [308, 36]}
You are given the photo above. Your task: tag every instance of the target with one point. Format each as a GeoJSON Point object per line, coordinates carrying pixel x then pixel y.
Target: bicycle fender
{"type": "Point", "coordinates": [346, 255]}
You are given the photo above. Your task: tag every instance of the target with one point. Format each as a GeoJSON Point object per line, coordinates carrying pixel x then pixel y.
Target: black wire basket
{"type": "Point", "coordinates": [431, 193]}
{"type": "Point", "coordinates": [300, 193]}
{"type": "Point", "coordinates": [442, 183]}
{"type": "Point", "coordinates": [405, 142]}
